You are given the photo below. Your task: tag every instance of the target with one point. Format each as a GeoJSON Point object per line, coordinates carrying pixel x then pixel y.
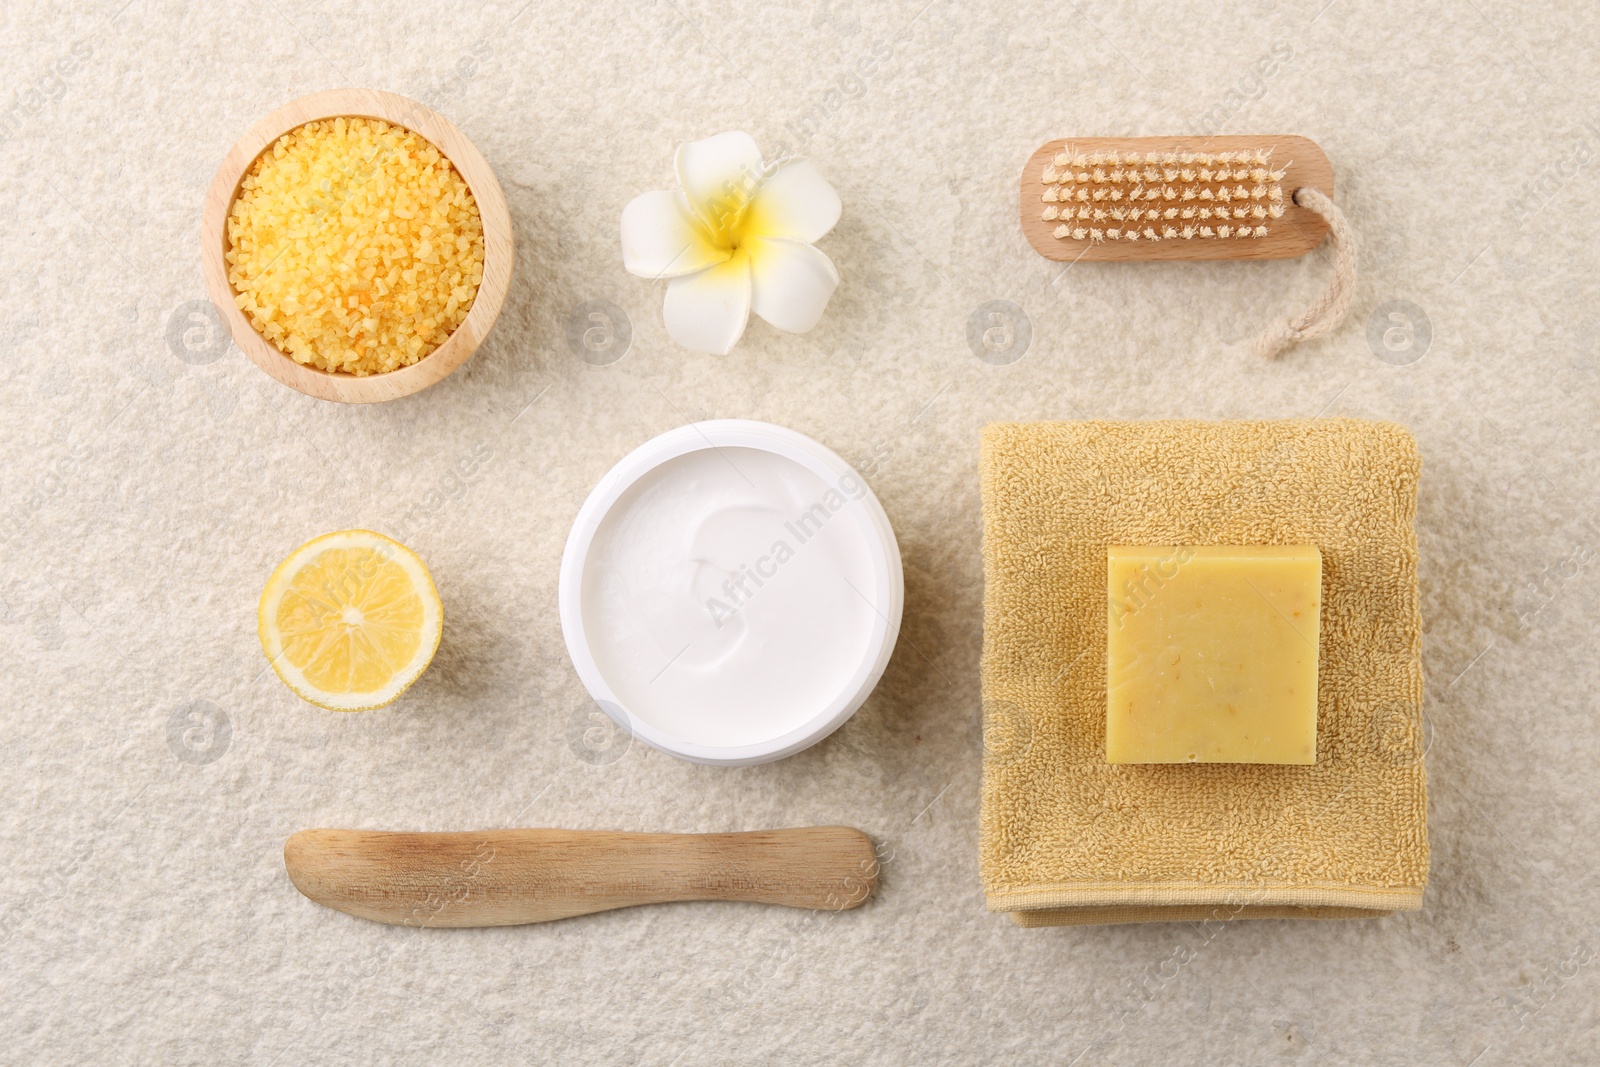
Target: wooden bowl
{"type": "Point", "coordinates": [473, 168]}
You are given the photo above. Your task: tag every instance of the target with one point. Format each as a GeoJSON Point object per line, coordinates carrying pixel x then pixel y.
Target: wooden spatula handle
{"type": "Point", "coordinates": [505, 877]}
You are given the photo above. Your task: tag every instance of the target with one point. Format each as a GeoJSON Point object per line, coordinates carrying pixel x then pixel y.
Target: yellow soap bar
{"type": "Point", "coordinates": [1212, 653]}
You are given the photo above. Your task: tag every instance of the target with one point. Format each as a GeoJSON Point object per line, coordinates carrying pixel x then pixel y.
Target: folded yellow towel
{"type": "Point", "coordinates": [1068, 838]}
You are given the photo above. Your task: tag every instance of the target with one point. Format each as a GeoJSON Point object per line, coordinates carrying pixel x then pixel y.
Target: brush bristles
{"type": "Point", "coordinates": [1238, 191]}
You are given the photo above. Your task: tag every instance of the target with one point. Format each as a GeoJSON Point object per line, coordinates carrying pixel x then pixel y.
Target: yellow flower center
{"type": "Point", "coordinates": [726, 217]}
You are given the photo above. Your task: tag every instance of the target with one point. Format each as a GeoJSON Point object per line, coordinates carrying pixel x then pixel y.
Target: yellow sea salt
{"type": "Point", "coordinates": [354, 246]}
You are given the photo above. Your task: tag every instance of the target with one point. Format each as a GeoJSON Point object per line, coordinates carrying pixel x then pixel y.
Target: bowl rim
{"type": "Point", "coordinates": [887, 596]}
{"type": "Point", "coordinates": [498, 254]}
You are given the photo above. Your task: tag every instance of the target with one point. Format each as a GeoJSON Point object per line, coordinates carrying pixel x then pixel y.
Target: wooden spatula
{"type": "Point", "coordinates": [506, 877]}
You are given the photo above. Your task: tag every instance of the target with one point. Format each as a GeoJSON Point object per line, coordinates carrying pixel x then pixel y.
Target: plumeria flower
{"type": "Point", "coordinates": [734, 238]}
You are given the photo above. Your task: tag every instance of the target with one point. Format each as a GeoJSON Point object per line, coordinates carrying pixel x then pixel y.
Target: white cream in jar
{"type": "Point", "coordinates": [731, 592]}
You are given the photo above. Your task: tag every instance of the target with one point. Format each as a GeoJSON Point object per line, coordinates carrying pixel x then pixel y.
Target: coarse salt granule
{"type": "Point", "coordinates": [354, 246]}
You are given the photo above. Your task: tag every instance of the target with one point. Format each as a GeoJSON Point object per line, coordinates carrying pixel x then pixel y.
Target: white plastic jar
{"type": "Point", "coordinates": [731, 592]}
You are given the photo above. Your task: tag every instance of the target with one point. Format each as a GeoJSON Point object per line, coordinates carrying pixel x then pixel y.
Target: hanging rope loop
{"type": "Point", "coordinates": [1330, 308]}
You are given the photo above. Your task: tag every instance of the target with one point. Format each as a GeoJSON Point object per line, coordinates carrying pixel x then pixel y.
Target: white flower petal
{"type": "Point", "coordinates": [797, 202]}
{"type": "Point", "coordinates": [790, 282]}
{"type": "Point", "coordinates": [719, 174]}
{"type": "Point", "coordinates": [660, 240]}
{"type": "Point", "coordinates": [707, 311]}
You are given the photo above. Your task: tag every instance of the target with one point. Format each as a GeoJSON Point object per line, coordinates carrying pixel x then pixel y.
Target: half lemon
{"type": "Point", "coordinates": [350, 620]}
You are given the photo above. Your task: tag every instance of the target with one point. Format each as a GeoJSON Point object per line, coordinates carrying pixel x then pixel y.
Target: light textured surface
{"type": "Point", "coordinates": [1064, 831]}
{"type": "Point", "coordinates": [144, 913]}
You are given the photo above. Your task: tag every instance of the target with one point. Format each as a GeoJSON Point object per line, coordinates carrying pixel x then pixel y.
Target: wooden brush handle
{"type": "Point", "coordinates": [1298, 232]}
{"type": "Point", "coordinates": [506, 877]}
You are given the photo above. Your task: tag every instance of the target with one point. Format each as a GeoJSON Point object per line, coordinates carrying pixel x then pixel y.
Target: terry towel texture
{"type": "Point", "coordinates": [1068, 838]}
